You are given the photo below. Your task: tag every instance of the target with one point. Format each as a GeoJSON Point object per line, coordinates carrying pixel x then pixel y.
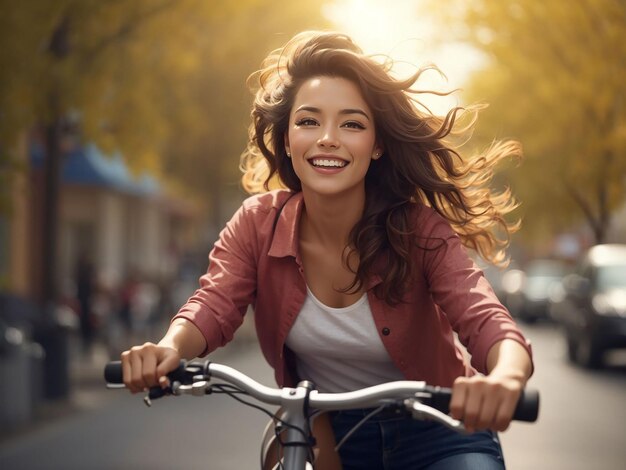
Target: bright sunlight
{"type": "Point", "coordinates": [403, 30]}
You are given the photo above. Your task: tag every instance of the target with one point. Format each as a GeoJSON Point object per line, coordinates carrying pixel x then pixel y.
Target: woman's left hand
{"type": "Point", "coordinates": [485, 402]}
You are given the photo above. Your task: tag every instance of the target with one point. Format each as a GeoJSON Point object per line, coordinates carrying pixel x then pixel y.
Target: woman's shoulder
{"type": "Point", "coordinates": [429, 222]}
{"type": "Point", "coordinates": [267, 202]}
{"type": "Point", "coordinates": [256, 217]}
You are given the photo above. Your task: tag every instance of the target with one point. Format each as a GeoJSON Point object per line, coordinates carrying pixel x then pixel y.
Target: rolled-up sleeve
{"type": "Point", "coordinates": [464, 295]}
{"type": "Point", "coordinates": [227, 289]}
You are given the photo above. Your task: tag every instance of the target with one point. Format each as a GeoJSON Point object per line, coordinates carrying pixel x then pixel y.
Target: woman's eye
{"type": "Point", "coordinates": [354, 125]}
{"type": "Point", "coordinates": [306, 122]}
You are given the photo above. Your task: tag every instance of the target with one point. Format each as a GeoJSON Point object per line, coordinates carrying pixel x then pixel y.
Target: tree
{"type": "Point", "coordinates": [556, 80]}
{"type": "Point", "coordinates": [150, 78]}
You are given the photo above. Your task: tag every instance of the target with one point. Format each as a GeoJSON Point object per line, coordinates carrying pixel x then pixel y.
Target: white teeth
{"type": "Point", "coordinates": [328, 163]}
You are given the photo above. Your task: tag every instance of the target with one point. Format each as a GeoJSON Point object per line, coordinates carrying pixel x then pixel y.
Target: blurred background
{"type": "Point", "coordinates": [121, 127]}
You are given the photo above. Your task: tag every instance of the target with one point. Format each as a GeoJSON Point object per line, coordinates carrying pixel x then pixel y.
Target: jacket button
{"type": "Point", "coordinates": [386, 331]}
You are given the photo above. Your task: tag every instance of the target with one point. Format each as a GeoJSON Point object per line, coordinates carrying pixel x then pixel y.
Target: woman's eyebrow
{"type": "Point", "coordinates": [313, 109]}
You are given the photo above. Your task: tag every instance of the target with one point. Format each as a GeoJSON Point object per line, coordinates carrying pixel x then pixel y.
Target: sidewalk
{"type": "Point", "coordinates": [88, 388]}
{"type": "Point", "coordinates": [87, 391]}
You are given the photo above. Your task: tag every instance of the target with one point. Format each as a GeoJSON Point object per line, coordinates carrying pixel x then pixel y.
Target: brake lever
{"type": "Point", "coordinates": [424, 412]}
{"type": "Point", "coordinates": [197, 386]}
{"type": "Point", "coordinates": [158, 392]}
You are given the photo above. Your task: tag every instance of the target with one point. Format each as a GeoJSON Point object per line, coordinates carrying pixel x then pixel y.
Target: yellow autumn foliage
{"type": "Point", "coordinates": [555, 78]}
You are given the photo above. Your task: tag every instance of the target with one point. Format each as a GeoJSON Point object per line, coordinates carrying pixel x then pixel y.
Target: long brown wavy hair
{"type": "Point", "coordinates": [420, 165]}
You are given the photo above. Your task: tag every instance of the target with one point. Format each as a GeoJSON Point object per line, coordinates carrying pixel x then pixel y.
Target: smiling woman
{"type": "Point", "coordinates": [355, 264]}
{"type": "Point", "coordinates": [455, 186]}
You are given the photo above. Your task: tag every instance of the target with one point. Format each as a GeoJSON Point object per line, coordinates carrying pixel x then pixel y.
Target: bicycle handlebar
{"type": "Point", "coordinates": [188, 374]}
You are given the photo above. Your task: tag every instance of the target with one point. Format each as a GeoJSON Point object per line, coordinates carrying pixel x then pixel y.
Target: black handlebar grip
{"type": "Point", "coordinates": [113, 372]}
{"type": "Point", "coordinates": [527, 408]}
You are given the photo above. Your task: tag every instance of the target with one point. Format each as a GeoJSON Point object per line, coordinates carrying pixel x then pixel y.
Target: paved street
{"type": "Point", "coordinates": [583, 414]}
{"type": "Point", "coordinates": [581, 424]}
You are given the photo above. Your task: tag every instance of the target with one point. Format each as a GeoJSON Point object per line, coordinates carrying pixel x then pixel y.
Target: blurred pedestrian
{"type": "Point", "coordinates": [85, 283]}
{"type": "Point", "coordinates": [128, 290]}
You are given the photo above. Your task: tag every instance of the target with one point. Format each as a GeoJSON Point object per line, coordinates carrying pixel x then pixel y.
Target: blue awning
{"type": "Point", "coordinates": [89, 166]}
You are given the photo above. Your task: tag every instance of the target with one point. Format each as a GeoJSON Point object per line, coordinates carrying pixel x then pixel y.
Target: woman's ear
{"type": "Point", "coordinates": [378, 152]}
{"type": "Point", "coordinates": [286, 142]}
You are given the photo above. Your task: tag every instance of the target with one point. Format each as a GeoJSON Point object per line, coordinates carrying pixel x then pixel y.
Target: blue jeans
{"type": "Point", "coordinates": [391, 442]}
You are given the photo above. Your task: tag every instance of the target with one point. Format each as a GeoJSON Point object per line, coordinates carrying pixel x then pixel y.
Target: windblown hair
{"type": "Point", "coordinates": [420, 165]}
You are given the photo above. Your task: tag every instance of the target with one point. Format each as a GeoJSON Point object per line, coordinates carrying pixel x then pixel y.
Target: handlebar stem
{"type": "Point", "coordinates": [296, 443]}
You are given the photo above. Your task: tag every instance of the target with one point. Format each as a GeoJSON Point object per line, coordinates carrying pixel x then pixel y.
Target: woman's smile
{"type": "Point", "coordinates": [327, 162]}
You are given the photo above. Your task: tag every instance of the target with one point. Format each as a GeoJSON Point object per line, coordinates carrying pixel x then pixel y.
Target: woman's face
{"type": "Point", "coordinates": [331, 136]}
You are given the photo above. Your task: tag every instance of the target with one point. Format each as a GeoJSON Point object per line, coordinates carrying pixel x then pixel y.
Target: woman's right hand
{"type": "Point", "coordinates": [146, 366]}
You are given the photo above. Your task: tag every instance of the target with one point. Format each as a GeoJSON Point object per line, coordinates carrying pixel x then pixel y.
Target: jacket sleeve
{"type": "Point", "coordinates": [229, 285]}
{"type": "Point", "coordinates": [463, 293]}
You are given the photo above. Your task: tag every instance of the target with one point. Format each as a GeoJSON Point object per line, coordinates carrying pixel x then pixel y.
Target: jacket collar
{"type": "Point", "coordinates": [286, 232]}
{"type": "Point", "coordinates": [285, 237]}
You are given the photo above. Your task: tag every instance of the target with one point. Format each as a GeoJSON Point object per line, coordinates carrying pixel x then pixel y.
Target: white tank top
{"type": "Point", "coordinates": [339, 349]}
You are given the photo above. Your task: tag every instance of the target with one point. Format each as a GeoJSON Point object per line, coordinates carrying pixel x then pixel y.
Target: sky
{"type": "Point", "coordinates": [398, 29]}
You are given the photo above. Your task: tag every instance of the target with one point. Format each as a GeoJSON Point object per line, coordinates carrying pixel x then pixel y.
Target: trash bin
{"type": "Point", "coordinates": [44, 349]}
{"type": "Point", "coordinates": [16, 397]}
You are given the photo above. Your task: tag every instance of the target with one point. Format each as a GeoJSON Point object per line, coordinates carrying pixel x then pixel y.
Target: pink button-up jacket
{"type": "Point", "coordinates": [256, 261]}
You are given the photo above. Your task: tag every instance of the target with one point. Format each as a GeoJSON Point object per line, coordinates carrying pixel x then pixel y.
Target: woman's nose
{"type": "Point", "coordinates": [328, 138]}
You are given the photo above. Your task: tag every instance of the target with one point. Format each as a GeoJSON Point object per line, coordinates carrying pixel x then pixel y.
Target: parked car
{"type": "Point", "coordinates": [527, 292]}
{"type": "Point", "coordinates": [593, 309]}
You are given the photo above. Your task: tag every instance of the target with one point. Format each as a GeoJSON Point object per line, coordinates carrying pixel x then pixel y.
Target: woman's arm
{"type": "Point", "coordinates": [509, 358]}
{"type": "Point", "coordinates": [185, 338]}
{"type": "Point", "coordinates": [460, 289]}
{"type": "Point", "coordinates": [145, 366]}
{"type": "Point", "coordinates": [211, 315]}
{"type": "Point", "coordinates": [488, 402]}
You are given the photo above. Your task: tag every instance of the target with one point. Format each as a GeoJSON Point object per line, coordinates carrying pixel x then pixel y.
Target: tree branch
{"type": "Point", "coordinates": [125, 30]}
{"type": "Point", "coordinates": [584, 205]}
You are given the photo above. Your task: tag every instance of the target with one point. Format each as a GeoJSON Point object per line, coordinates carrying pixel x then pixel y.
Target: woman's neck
{"type": "Point", "coordinates": [330, 219]}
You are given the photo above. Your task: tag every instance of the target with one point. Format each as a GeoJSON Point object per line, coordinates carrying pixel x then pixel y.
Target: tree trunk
{"type": "Point", "coordinates": [598, 222]}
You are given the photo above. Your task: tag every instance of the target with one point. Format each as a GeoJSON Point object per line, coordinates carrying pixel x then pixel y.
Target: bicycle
{"type": "Point", "coordinates": [290, 429]}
